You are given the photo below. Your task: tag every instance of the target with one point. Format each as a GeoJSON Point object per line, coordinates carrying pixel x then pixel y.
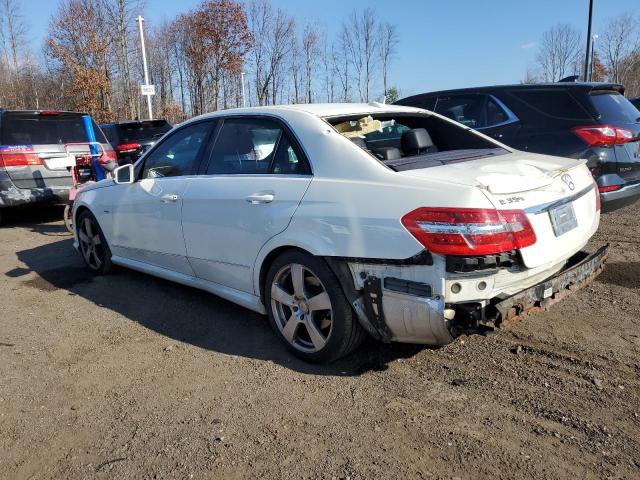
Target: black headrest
{"type": "Point", "coordinates": [415, 140]}
{"type": "Point", "coordinates": [387, 153]}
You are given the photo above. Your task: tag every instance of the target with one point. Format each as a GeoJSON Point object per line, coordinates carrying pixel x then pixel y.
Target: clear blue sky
{"type": "Point", "coordinates": [443, 43]}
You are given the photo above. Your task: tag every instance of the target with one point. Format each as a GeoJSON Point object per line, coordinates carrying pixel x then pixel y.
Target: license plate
{"type": "Point", "coordinates": [563, 219]}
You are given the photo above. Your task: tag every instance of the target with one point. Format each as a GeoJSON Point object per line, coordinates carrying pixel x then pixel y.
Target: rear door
{"type": "Point", "coordinates": [614, 109]}
{"type": "Point", "coordinates": [33, 147]}
{"type": "Point", "coordinates": [250, 188]}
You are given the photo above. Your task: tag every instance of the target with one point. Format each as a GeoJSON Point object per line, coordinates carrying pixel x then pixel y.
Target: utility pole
{"type": "Point", "coordinates": [148, 91]}
{"type": "Point", "coordinates": [586, 58]}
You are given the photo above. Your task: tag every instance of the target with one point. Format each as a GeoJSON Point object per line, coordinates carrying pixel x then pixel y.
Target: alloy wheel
{"type": "Point", "coordinates": [301, 308]}
{"type": "Point", "coordinates": [91, 245]}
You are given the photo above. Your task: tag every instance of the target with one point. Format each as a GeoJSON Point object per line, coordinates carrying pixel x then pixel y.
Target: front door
{"type": "Point", "coordinates": [146, 213]}
{"type": "Point", "coordinates": [255, 179]}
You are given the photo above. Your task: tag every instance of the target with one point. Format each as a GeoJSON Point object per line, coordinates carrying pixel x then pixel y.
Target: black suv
{"type": "Point", "coordinates": [134, 137]}
{"type": "Point", "coordinates": [37, 148]}
{"type": "Point", "coordinates": [579, 120]}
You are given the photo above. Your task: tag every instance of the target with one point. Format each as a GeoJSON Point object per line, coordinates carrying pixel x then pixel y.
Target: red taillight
{"type": "Point", "coordinates": [603, 135]}
{"type": "Point", "coordinates": [127, 147]}
{"type": "Point", "coordinates": [610, 188]}
{"type": "Point", "coordinates": [18, 156]}
{"type": "Point", "coordinates": [48, 112]}
{"type": "Point", "coordinates": [470, 231]}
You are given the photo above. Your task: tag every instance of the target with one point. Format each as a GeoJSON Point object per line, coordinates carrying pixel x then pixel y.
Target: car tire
{"type": "Point", "coordinates": [68, 217]}
{"type": "Point", "coordinates": [93, 246]}
{"type": "Point", "coordinates": [308, 309]}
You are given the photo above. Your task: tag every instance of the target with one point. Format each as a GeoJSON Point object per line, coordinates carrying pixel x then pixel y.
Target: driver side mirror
{"type": "Point", "coordinates": [124, 174]}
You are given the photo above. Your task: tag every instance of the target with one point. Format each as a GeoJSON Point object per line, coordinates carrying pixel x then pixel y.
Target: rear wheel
{"type": "Point", "coordinates": [68, 217]}
{"type": "Point", "coordinates": [93, 245]}
{"type": "Point", "coordinates": [308, 309]}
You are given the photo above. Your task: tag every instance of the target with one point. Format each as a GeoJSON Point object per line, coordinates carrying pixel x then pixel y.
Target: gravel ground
{"type": "Point", "coordinates": [128, 376]}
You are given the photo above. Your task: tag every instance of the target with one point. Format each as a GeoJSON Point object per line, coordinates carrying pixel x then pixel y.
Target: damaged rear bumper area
{"type": "Point", "coordinates": [394, 309]}
{"type": "Point", "coordinates": [12, 196]}
{"type": "Point", "coordinates": [580, 271]}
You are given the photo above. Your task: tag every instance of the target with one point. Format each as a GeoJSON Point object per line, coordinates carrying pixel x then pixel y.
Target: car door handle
{"type": "Point", "coordinates": [170, 197]}
{"type": "Point", "coordinates": [258, 198]}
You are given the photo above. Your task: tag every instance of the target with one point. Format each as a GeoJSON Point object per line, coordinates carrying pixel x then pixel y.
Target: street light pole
{"type": "Point", "coordinates": [144, 64]}
{"type": "Point", "coordinates": [586, 58]}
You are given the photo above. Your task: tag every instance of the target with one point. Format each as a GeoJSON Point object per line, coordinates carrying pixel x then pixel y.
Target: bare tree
{"type": "Point", "coordinates": [618, 44]}
{"type": "Point", "coordinates": [310, 48]}
{"type": "Point", "coordinates": [361, 42]}
{"type": "Point", "coordinates": [273, 32]}
{"type": "Point", "coordinates": [12, 32]}
{"type": "Point", "coordinates": [388, 42]}
{"type": "Point", "coordinates": [121, 14]}
{"type": "Point", "coordinates": [560, 52]}
{"type": "Point", "coordinates": [341, 62]}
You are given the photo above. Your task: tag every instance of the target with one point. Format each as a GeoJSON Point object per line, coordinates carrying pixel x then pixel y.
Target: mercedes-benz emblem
{"type": "Point", "coordinates": [566, 178]}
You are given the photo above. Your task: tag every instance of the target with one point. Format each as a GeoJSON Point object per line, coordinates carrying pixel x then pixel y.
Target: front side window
{"type": "Point", "coordinates": [248, 146]}
{"type": "Point", "coordinates": [178, 154]}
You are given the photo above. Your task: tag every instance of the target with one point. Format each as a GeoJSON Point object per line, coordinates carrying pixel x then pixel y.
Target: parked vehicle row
{"type": "Point", "coordinates": [341, 219]}
{"type": "Point", "coordinates": [132, 138]}
{"type": "Point", "coordinates": [36, 149]}
{"type": "Point", "coordinates": [577, 120]}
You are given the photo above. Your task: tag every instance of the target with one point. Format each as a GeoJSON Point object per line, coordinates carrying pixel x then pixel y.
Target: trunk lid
{"type": "Point", "coordinates": [557, 194]}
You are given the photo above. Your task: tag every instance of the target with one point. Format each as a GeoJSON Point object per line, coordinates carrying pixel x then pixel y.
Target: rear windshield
{"type": "Point", "coordinates": [35, 129]}
{"type": "Point", "coordinates": [407, 141]}
{"type": "Point", "coordinates": [613, 107]}
{"type": "Point", "coordinates": [130, 132]}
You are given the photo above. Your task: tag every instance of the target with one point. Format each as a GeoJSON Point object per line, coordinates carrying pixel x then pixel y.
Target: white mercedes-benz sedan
{"type": "Point", "coordinates": [344, 219]}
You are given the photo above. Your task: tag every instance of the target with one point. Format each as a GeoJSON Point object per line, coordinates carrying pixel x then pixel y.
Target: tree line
{"type": "Point", "coordinates": [200, 61]}
{"type": "Point", "coordinates": [616, 54]}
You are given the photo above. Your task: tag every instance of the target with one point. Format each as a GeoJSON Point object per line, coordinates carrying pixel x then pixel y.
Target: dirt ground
{"type": "Point", "coordinates": [128, 376]}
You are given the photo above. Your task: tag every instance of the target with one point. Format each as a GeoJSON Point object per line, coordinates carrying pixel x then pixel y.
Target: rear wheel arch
{"type": "Point", "coordinates": [268, 261]}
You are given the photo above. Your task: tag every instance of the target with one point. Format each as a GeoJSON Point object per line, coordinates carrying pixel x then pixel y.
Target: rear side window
{"type": "Point", "coordinates": [555, 103]}
{"type": "Point", "coordinates": [34, 129]}
{"type": "Point", "coordinates": [613, 107]}
{"type": "Point", "coordinates": [248, 146]}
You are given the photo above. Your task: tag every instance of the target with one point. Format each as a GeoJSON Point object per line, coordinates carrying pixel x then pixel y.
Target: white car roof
{"type": "Point", "coordinates": [318, 109]}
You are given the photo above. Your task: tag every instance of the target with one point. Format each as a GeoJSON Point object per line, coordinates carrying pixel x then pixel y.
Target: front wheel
{"type": "Point", "coordinates": [308, 309]}
{"type": "Point", "coordinates": [93, 245]}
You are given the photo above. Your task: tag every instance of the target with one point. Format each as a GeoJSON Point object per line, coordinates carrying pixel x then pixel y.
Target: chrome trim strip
{"type": "Point", "coordinates": [545, 207]}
